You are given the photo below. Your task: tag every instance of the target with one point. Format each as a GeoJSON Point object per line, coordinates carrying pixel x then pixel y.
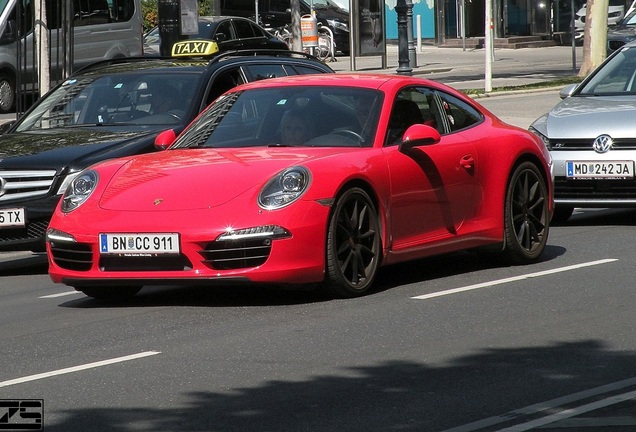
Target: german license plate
{"type": "Point", "coordinates": [600, 169]}
{"type": "Point", "coordinates": [139, 244]}
{"type": "Point", "coordinates": [12, 217]}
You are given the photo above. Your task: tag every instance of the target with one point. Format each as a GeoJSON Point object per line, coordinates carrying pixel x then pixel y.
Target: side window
{"type": "Point", "coordinates": [91, 12]}
{"type": "Point", "coordinates": [243, 29]}
{"type": "Point", "coordinates": [411, 106]}
{"type": "Point", "coordinates": [222, 83]}
{"type": "Point", "coordinates": [458, 113]}
{"type": "Point", "coordinates": [264, 71]}
{"type": "Point", "coordinates": [225, 28]}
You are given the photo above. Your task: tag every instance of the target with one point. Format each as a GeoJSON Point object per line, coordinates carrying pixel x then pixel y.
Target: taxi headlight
{"type": "Point", "coordinates": [284, 188]}
{"type": "Point", "coordinates": [80, 188]}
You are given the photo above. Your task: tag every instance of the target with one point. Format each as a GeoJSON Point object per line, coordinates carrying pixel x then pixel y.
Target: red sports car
{"type": "Point", "coordinates": [310, 179]}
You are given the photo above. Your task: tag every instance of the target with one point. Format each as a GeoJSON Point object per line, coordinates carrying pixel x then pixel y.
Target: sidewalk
{"type": "Point", "coordinates": [464, 69]}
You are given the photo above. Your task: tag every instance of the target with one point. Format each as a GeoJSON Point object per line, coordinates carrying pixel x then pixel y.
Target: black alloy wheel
{"type": "Point", "coordinates": [353, 245]}
{"type": "Point", "coordinates": [526, 217]}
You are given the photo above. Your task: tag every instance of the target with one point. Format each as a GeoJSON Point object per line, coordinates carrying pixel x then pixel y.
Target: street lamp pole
{"type": "Point", "coordinates": [402, 8]}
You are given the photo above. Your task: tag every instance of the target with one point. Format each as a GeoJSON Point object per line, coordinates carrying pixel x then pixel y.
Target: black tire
{"type": "Point", "coordinates": [353, 245]}
{"type": "Point", "coordinates": [109, 292]}
{"type": "Point", "coordinates": [7, 93]}
{"type": "Point", "coordinates": [526, 215]}
{"type": "Point", "coordinates": [562, 213]}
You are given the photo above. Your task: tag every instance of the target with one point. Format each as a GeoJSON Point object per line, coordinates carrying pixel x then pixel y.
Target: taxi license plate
{"type": "Point", "coordinates": [12, 217]}
{"type": "Point", "coordinates": [139, 244]}
{"type": "Point", "coordinates": [600, 169]}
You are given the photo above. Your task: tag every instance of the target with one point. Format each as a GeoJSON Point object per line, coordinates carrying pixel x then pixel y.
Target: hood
{"type": "Point", "coordinates": [57, 148]}
{"type": "Point", "coordinates": [591, 116]}
{"type": "Point", "coordinates": [190, 179]}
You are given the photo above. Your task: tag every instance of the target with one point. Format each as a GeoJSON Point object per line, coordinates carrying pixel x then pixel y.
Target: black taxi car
{"type": "Point", "coordinates": [111, 109]}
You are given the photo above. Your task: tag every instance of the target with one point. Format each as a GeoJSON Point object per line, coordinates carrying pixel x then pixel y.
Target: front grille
{"type": "Point", "coordinates": [231, 255]}
{"type": "Point", "coordinates": [144, 263]}
{"type": "Point", "coordinates": [594, 189]}
{"type": "Point", "coordinates": [586, 144]}
{"type": "Point", "coordinates": [34, 230]}
{"type": "Point", "coordinates": [24, 184]}
{"type": "Point", "coordinates": [72, 256]}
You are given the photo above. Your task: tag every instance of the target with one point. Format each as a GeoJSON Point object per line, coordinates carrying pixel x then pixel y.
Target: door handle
{"type": "Point", "coordinates": [468, 162]}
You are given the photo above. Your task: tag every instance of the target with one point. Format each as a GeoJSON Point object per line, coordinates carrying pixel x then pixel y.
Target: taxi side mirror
{"type": "Point", "coordinates": [165, 139]}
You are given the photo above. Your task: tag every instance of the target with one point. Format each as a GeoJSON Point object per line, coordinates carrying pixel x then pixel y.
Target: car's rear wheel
{"type": "Point", "coordinates": [526, 216]}
{"type": "Point", "coordinates": [110, 292]}
{"type": "Point", "coordinates": [7, 93]}
{"type": "Point", "coordinates": [353, 244]}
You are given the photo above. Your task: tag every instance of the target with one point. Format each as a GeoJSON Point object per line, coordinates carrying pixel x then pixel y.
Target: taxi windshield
{"type": "Point", "coordinates": [117, 99]}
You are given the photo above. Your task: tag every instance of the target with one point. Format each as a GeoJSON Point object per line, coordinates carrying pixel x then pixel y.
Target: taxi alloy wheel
{"type": "Point", "coordinates": [526, 220]}
{"type": "Point", "coordinates": [353, 244]}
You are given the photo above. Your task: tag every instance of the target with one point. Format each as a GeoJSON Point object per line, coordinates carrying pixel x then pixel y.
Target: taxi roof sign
{"type": "Point", "coordinates": [189, 48]}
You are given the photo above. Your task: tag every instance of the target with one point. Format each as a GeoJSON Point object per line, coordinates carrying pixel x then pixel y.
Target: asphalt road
{"type": "Point", "coordinates": [454, 343]}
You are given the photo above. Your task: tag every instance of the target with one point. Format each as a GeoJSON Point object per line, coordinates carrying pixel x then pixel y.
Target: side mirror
{"type": "Point", "coordinates": [567, 91]}
{"type": "Point", "coordinates": [419, 135]}
{"type": "Point", "coordinates": [219, 37]}
{"type": "Point", "coordinates": [165, 139]}
{"type": "Point", "coordinates": [4, 127]}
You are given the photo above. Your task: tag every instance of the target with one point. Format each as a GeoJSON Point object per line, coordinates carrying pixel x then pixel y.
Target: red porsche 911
{"type": "Point", "coordinates": [316, 179]}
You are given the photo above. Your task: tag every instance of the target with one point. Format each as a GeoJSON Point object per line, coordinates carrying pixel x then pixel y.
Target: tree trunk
{"type": "Point", "coordinates": [595, 36]}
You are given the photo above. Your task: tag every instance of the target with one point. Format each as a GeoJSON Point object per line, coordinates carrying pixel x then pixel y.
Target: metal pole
{"type": "Point", "coordinates": [488, 47]}
{"type": "Point", "coordinates": [403, 48]}
{"type": "Point", "coordinates": [409, 32]}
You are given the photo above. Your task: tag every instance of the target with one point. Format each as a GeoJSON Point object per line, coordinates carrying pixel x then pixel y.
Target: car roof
{"type": "Point", "coordinates": [360, 80]}
{"type": "Point", "coordinates": [133, 64]}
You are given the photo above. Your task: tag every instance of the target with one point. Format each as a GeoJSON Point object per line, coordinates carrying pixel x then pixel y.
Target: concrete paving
{"type": "Point", "coordinates": [465, 68]}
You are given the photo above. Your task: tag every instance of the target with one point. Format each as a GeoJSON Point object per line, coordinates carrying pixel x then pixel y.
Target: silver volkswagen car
{"type": "Point", "coordinates": [592, 137]}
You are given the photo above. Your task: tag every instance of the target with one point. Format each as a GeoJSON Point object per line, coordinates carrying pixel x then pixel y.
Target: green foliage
{"type": "Point", "coordinates": [151, 18]}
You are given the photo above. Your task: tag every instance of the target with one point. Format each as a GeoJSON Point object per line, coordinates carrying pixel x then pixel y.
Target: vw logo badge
{"type": "Point", "coordinates": [3, 182]}
{"type": "Point", "coordinates": [602, 144]}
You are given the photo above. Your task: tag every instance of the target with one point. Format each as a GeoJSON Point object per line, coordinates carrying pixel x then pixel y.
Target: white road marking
{"type": "Point", "coordinates": [552, 406]}
{"type": "Point", "coordinates": [77, 368]}
{"type": "Point", "coordinates": [67, 293]}
{"type": "Point", "coordinates": [512, 279]}
{"type": "Point", "coordinates": [613, 400]}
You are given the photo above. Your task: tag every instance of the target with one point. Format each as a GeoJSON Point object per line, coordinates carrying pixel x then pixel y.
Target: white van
{"type": "Point", "coordinates": [101, 30]}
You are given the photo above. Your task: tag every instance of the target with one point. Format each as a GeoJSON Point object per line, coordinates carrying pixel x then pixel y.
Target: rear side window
{"type": "Point", "coordinates": [459, 114]}
{"type": "Point", "coordinates": [244, 29]}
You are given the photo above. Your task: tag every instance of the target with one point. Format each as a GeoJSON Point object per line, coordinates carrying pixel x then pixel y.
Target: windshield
{"type": "Point", "coordinates": [117, 99]}
{"type": "Point", "coordinates": [616, 77]}
{"type": "Point", "coordinates": [288, 116]}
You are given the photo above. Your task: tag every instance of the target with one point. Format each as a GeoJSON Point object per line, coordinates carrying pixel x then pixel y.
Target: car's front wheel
{"type": "Point", "coordinates": [109, 292]}
{"type": "Point", "coordinates": [526, 214]}
{"type": "Point", "coordinates": [353, 244]}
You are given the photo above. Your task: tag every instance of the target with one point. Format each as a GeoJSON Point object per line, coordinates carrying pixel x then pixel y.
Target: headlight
{"type": "Point", "coordinates": [544, 138]}
{"type": "Point", "coordinates": [80, 188]}
{"type": "Point", "coordinates": [338, 25]}
{"type": "Point", "coordinates": [284, 188]}
{"type": "Point", "coordinates": [67, 180]}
